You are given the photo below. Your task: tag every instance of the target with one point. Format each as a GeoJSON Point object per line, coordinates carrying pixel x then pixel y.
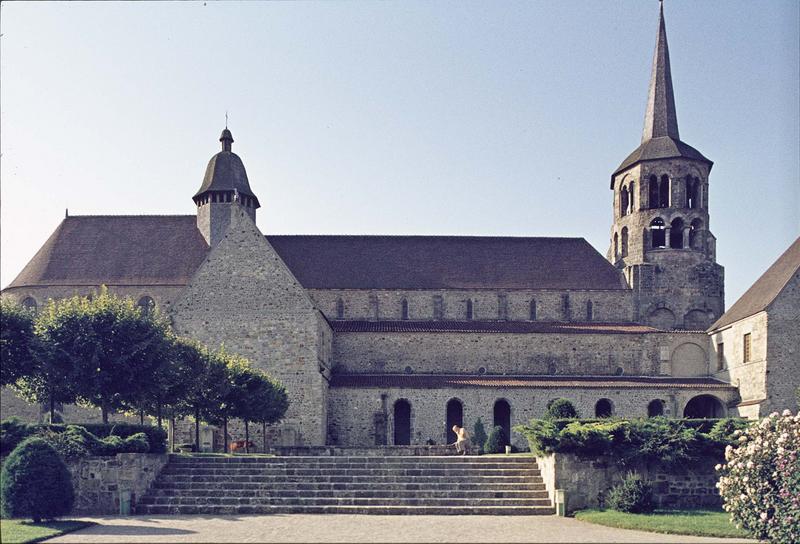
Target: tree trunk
{"type": "Point", "coordinates": [158, 414]}
{"type": "Point", "coordinates": [197, 429]}
{"type": "Point", "coordinates": [246, 437]}
{"type": "Point", "coordinates": [104, 410]}
{"type": "Point", "coordinates": [172, 434]}
{"type": "Point", "coordinates": [225, 433]}
{"type": "Point", "coordinates": [264, 435]}
{"type": "Point", "coordinates": [52, 407]}
{"type": "Point", "coordinates": [141, 416]}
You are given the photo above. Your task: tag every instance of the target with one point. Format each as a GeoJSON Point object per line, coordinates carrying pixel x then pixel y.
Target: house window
{"type": "Point", "coordinates": [438, 307]}
{"type": "Point", "coordinates": [565, 307]}
{"type": "Point", "coordinates": [533, 310]}
{"type": "Point", "coordinates": [404, 309]}
{"type": "Point", "coordinates": [720, 356]}
{"type": "Point", "coordinates": [469, 308]}
{"type": "Point", "coordinates": [589, 310]}
{"type": "Point", "coordinates": [746, 350]}
{"type": "Point", "coordinates": [502, 307]}
{"type": "Point", "coordinates": [339, 309]}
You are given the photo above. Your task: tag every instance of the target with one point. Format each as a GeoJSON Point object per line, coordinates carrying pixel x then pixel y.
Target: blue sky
{"type": "Point", "coordinates": [481, 118]}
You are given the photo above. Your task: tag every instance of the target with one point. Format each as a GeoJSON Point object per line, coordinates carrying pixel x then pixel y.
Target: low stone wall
{"type": "Point", "coordinates": [98, 481]}
{"type": "Point", "coordinates": [586, 481]}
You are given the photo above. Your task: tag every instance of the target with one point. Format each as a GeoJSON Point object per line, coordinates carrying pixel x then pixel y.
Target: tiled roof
{"type": "Point", "coordinates": [445, 262]}
{"type": "Point", "coordinates": [435, 381]}
{"type": "Point", "coordinates": [159, 250]}
{"type": "Point", "coordinates": [118, 250]}
{"type": "Point", "coordinates": [660, 148]}
{"type": "Point", "coordinates": [765, 289]}
{"type": "Point", "coordinates": [511, 327]}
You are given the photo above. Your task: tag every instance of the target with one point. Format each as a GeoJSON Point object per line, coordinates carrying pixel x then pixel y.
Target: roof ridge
{"type": "Point", "coordinates": [131, 215]}
{"type": "Point", "coordinates": [473, 236]}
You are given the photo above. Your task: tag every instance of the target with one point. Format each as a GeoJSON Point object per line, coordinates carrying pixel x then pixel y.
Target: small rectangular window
{"type": "Point", "coordinates": [746, 354]}
{"type": "Point", "coordinates": [438, 307]}
{"type": "Point", "coordinates": [502, 306]}
{"type": "Point", "coordinates": [720, 356]}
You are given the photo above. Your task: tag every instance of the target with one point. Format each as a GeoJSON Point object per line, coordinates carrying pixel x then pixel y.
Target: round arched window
{"type": "Point", "coordinates": [29, 303]}
{"type": "Point", "coordinates": [146, 305]}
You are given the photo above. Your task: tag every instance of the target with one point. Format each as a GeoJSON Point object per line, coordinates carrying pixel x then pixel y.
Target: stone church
{"type": "Point", "coordinates": [384, 340]}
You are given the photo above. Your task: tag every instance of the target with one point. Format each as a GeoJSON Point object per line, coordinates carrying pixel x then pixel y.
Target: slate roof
{"type": "Point", "coordinates": [508, 327]}
{"type": "Point", "coordinates": [445, 262]}
{"type": "Point", "coordinates": [160, 250]}
{"type": "Point", "coordinates": [118, 250]}
{"type": "Point", "coordinates": [437, 381]}
{"type": "Point", "coordinates": [225, 171]}
{"type": "Point", "coordinates": [660, 148]}
{"type": "Point", "coordinates": [765, 289]}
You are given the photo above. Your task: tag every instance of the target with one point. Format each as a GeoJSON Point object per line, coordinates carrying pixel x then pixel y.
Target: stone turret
{"type": "Point", "coordinates": [660, 238]}
{"type": "Point", "coordinates": [224, 185]}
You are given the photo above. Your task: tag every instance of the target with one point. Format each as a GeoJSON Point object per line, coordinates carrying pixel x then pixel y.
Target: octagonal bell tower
{"type": "Point", "coordinates": [660, 237]}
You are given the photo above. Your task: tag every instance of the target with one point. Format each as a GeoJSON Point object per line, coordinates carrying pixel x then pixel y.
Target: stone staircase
{"type": "Point", "coordinates": [252, 484]}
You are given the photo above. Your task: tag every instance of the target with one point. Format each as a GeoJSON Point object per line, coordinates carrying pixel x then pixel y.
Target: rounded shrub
{"type": "Point", "coordinates": [760, 480]}
{"type": "Point", "coordinates": [479, 435]}
{"type": "Point", "coordinates": [633, 495]}
{"type": "Point", "coordinates": [35, 482]}
{"type": "Point", "coordinates": [13, 431]}
{"type": "Point", "coordinates": [496, 442]}
{"type": "Point", "coordinates": [561, 409]}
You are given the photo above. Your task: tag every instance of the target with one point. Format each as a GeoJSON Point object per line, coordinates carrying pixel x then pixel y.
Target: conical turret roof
{"type": "Point", "coordinates": [225, 171]}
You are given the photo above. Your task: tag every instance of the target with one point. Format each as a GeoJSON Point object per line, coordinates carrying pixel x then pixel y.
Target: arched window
{"type": "Point", "coordinates": [664, 192]}
{"type": "Point", "coordinates": [603, 408]}
{"type": "Point", "coordinates": [565, 307]}
{"type": "Point", "coordinates": [658, 233]}
{"type": "Point", "coordinates": [502, 418]}
{"type": "Point", "coordinates": [695, 238]}
{"type": "Point", "coordinates": [655, 408]}
{"type": "Point", "coordinates": [589, 310]}
{"type": "Point", "coordinates": [631, 194]}
{"type": "Point", "coordinates": [624, 241]}
{"type": "Point", "coordinates": [704, 406]}
{"type": "Point", "coordinates": [616, 246]}
{"type": "Point", "coordinates": [29, 303]}
{"type": "Point", "coordinates": [692, 192]}
{"type": "Point", "coordinates": [402, 423]}
{"type": "Point", "coordinates": [146, 305]}
{"type": "Point", "coordinates": [676, 233]}
{"type": "Point", "coordinates": [454, 415]}
{"type": "Point", "coordinates": [533, 309]}
{"type": "Point", "coordinates": [652, 192]}
{"type": "Point", "coordinates": [623, 201]}
{"type": "Point", "coordinates": [339, 309]}
{"type": "Point", "coordinates": [404, 309]}
{"type": "Point", "coordinates": [469, 308]}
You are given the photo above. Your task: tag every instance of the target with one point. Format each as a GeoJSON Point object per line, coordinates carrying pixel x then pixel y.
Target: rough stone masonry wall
{"type": "Point", "coordinates": [351, 420]}
{"type": "Point", "coordinates": [98, 481]}
{"type": "Point", "coordinates": [674, 353]}
{"type": "Point", "coordinates": [783, 349]}
{"type": "Point", "coordinates": [587, 481]}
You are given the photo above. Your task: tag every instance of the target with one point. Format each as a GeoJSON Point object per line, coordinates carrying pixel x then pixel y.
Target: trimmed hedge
{"type": "Point", "coordinates": [662, 440]}
{"type": "Point", "coordinates": [35, 482]}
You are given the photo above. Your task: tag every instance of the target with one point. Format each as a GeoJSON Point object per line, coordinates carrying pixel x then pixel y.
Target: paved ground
{"type": "Point", "coordinates": [359, 528]}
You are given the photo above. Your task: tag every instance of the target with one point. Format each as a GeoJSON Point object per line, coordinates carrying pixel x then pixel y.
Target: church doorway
{"type": "Point", "coordinates": [454, 416]}
{"type": "Point", "coordinates": [704, 406]}
{"type": "Point", "coordinates": [502, 418]}
{"type": "Point", "coordinates": [402, 423]}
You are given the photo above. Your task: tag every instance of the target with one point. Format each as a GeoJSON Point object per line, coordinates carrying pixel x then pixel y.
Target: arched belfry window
{"type": "Point", "coordinates": [404, 309]}
{"type": "Point", "coordinates": [695, 238]}
{"type": "Point", "coordinates": [624, 242]}
{"type": "Point", "coordinates": [631, 194]}
{"type": "Point", "coordinates": [339, 309]}
{"type": "Point", "coordinates": [146, 305]}
{"type": "Point", "coordinates": [616, 246]}
{"type": "Point", "coordinates": [533, 309]}
{"type": "Point", "coordinates": [692, 192]}
{"type": "Point", "coordinates": [652, 191]}
{"type": "Point", "coordinates": [469, 308]}
{"type": "Point", "coordinates": [589, 310]}
{"type": "Point", "coordinates": [676, 233]}
{"type": "Point", "coordinates": [664, 192]}
{"type": "Point", "coordinates": [29, 303]}
{"type": "Point", "coordinates": [658, 233]}
{"type": "Point", "coordinates": [623, 201]}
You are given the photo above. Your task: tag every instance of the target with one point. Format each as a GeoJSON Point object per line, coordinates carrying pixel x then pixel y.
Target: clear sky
{"type": "Point", "coordinates": [480, 118]}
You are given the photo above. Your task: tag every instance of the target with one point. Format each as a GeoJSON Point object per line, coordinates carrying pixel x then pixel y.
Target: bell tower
{"type": "Point", "coordinates": [660, 237]}
{"type": "Point", "coordinates": [224, 185]}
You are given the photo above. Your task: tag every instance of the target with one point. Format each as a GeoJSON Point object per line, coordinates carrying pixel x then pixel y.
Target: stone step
{"type": "Point", "coordinates": [320, 486]}
{"type": "Point", "coordinates": [340, 509]}
{"type": "Point", "coordinates": [338, 501]}
{"type": "Point", "coordinates": [354, 493]}
{"type": "Point", "coordinates": [246, 459]}
{"type": "Point", "coordinates": [429, 480]}
{"type": "Point", "coordinates": [341, 466]}
{"type": "Point", "coordinates": [313, 473]}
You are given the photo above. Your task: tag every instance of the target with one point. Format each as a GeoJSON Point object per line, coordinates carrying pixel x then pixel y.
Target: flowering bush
{"type": "Point", "coordinates": [760, 481]}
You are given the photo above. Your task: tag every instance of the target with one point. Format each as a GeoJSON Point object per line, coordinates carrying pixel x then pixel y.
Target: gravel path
{"type": "Point", "coordinates": [360, 528]}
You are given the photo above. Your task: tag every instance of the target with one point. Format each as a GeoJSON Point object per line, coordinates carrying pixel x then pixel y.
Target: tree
{"type": "Point", "coordinates": [497, 440]}
{"type": "Point", "coordinates": [110, 347]}
{"type": "Point", "coordinates": [560, 409]}
{"type": "Point", "coordinates": [35, 483]}
{"type": "Point", "coordinates": [271, 404]}
{"type": "Point", "coordinates": [479, 435]}
{"type": "Point", "coordinates": [17, 342]}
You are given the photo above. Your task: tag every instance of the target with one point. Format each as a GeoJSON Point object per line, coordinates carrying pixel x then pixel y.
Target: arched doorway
{"type": "Point", "coordinates": [655, 408]}
{"type": "Point", "coordinates": [402, 423]}
{"type": "Point", "coordinates": [704, 406]}
{"type": "Point", "coordinates": [603, 408]}
{"type": "Point", "coordinates": [502, 417]}
{"type": "Point", "coordinates": [454, 415]}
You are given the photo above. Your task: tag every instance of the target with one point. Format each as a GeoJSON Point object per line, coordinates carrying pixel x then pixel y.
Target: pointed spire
{"type": "Point", "coordinates": [660, 119]}
{"type": "Point", "coordinates": [227, 139]}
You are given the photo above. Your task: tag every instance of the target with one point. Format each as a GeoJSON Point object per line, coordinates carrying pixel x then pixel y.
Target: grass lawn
{"type": "Point", "coordinates": [679, 522]}
{"type": "Point", "coordinates": [18, 530]}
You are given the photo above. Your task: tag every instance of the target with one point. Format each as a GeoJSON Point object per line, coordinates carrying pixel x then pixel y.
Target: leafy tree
{"type": "Point", "coordinates": [35, 483]}
{"type": "Point", "coordinates": [17, 341]}
{"type": "Point", "coordinates": [110, 348]}
{"type": "Point", "coordinates": [479, 435]}
{"type": "Point", "coordinates": [560, 409]}
{"type": "Point", "coordinates": [497, 441]}
{"type": "Point", "coordinates": [271, 404]}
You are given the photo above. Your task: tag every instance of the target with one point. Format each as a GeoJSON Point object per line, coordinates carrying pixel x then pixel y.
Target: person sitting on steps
{"type": "Point", "coordinates": [462, 440]}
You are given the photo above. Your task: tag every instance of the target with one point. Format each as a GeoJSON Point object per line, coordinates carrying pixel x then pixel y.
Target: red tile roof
{"type": "Point", "coordinates": [435, 381]}
{"type": "Point", "coordinates": [509, 327]}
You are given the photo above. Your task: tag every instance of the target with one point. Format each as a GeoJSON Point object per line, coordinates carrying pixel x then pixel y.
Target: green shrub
{"type": "Point", "coordinates": [479, 435]}
{"type": "Point", "coordinates": [497, 441]}
{"type": "Point", "coordinates": [156, 438]}
{"type": "Point", "coordinates": [542, 436]}
{"type": "Point", "coordinates": [136, 443]}
{"type": "Point", "coordinates": [561, 409]}
{"type": "Point", "coordinates": [662, 440]}
{"type": "Point", "coordinates": [13, 431]}
{"type": "Point", "coordinates": [65, 444]}
{"type": "Point", "coordinates": [35, 483]}
{"type": "Point", "coordinates": [632, 495]}
{"type": "Point", "coordinates": [592, 438]}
